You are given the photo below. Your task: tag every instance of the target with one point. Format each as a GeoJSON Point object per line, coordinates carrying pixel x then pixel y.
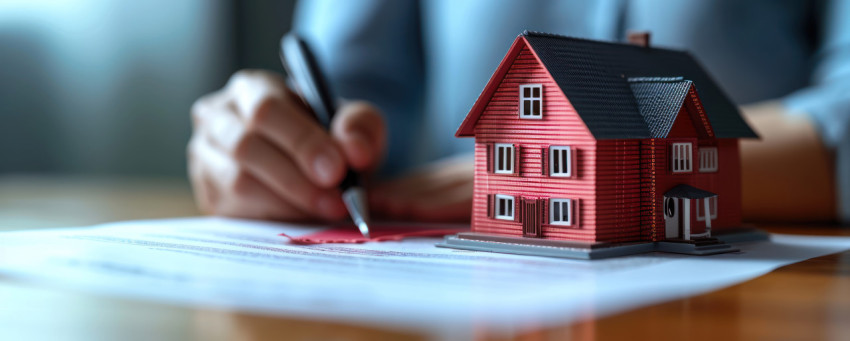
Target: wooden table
{"type": "Point", "coordinates": [807, 300]}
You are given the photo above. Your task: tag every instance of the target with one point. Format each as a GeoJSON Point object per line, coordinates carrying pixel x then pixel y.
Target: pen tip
{"type": "Point", "coordinates": [355, 201]}
{"type": "Point", "coordinates": [364, 229]}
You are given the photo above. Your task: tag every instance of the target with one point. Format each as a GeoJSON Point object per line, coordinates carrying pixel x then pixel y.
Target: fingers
{"type": "Point", "coordinates": [245, 196]}
{"type": "Point", "coordinates": [361, 133]}
{"type": "Point", "coordinates": [268, 108]}
{"type": "Point", "coordinates": [257, 153]}
{"type": "Point", "coordinates": [281, 175]}
{"type": "Point", "coordinates": [205, 195]}
{"type": "Point", "coordinates": [268, 165]}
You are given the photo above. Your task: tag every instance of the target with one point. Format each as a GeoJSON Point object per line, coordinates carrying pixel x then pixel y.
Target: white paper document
{"type": "Point", "coordinates": [245, 265]}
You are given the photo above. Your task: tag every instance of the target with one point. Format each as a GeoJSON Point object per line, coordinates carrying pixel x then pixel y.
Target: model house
{"type": "Point", "coordinates": [589, 145]}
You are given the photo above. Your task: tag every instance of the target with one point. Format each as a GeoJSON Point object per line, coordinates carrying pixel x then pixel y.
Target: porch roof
{"type": "Point", "coordinates": [688, 192]}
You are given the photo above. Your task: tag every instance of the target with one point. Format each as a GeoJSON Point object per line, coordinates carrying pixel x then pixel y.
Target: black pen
{"type": "Point", "coordinates": [305, 76]}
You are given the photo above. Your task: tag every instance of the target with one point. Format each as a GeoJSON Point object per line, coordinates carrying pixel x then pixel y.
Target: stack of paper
{"type": "Point", "coordinates": [245, 265]}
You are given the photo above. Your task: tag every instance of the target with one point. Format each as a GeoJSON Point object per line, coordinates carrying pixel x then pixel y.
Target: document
{"type": "Point", "coordinates": [245, 265]}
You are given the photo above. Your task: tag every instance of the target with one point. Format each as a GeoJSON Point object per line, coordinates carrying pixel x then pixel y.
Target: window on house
{"type": "Point", "coordinates": [560, 161]}
{"type": "Point", "coordinates": [503, 158]}
{"type": "Point", "coordinates": [560, 212]}
{"type": "Point", "coordinates": [708, 159]}
{"type": "Point", "coordinates": [712, 208]}
{"type": "Point", "coordinates": [504, 207]}
{"type": "Point", "coordinates": [531, 101]}
{"type": "Point", "coordinates": [681, 158]}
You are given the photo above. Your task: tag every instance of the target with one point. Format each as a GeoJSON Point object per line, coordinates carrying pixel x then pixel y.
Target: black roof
{"type": "Point", "coordinates": [594, 76]}
{"type": "Point", "coordinates": [659, 100]}
{"type": "Point", "coordinates": [688, 192]}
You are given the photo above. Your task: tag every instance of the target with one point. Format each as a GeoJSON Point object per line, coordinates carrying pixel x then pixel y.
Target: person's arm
{"type": "Point", "coordinates": [439, 191]}
{"type": "Point", "coordinates": [371, 50]}
{"type": "Point", "coordinates": [826, 102]}
{"type": "Point", "coordinates": [788, 175]}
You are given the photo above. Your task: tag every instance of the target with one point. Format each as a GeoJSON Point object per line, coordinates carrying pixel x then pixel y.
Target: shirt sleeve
{"type": "Point", "coordinates": [827, 99]}
{"type": "Point", "coordinates": [371, 50]}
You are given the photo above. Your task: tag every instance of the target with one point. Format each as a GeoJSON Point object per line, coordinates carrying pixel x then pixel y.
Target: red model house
{"type": "Point", "coordinates": [602, 149]}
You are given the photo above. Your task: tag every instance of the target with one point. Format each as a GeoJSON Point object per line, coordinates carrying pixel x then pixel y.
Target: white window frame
{"type": "Point", "coordinates": [712, 207]}
{"type": "Point", "coordinates": [708, 159]}
{"type": "Point", "coordinates": [497, 158]}
{"type": "Point", "coordinates": [509, 211]}
{"type": "Point", "coordinates": [568, 203]}
{"type": "Point", "coordinates": [565, 152]}
{"type": "Point", "coordinates": [532, 99]}
{"type": "Point", "coordinates": [682, 151]}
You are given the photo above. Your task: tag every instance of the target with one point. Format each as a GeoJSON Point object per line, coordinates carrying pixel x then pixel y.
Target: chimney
{"type": "Point", "coordinates": [639, 38]}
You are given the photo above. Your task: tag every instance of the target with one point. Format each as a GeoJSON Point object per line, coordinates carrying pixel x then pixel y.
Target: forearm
{"type": "Point", "coordinates": [788, 175]}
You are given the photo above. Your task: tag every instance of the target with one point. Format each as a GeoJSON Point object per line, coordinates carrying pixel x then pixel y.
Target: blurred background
{"type": "Point", "coordinates": [104, 87]}
{"type": "Point", "coordinates": [95, 94]}
{"type": "Point", "coordinates": [95, 98]}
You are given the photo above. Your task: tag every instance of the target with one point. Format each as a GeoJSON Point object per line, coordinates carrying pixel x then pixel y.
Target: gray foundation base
{"type": "Point", "coordinates": [584, 250]}
{"type": "Point", "coordinates": [742, 235]}
{"type": "Point", "coordinates": [692, 249]}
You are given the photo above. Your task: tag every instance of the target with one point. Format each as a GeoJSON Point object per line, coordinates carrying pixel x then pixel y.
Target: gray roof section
{"type": "Point", "coordinates": [659, 100]}
{"type": "Point", "coordinates": [593, 75]}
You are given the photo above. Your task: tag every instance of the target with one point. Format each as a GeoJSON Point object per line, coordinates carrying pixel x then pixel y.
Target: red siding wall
{"type": "Point", "coordinates": [653, 166]}
{"type": "Point", "coordinates": [618, 190]}
{"type": "Point", "coordinates": [658, 178]}
{"type": "Point", "coordinates": [605, 188]}
{"type": "Point", "coordinates": [500, 123]}
{"type": "Point", "coordinates": [683, 126]}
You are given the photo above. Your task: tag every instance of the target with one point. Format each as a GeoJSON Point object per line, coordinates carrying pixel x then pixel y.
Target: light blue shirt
{"type": "Point", "coordinates": [416, 57]}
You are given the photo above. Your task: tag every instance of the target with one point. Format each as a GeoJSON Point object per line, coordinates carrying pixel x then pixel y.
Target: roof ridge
{"type": "Point", "coordinates": [657, 79]}
{"type": "Point", "coordinates": [624, 44]}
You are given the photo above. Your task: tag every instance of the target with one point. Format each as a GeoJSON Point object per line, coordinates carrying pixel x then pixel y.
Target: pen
{"type": "Point", "coordinates": [305, 76]}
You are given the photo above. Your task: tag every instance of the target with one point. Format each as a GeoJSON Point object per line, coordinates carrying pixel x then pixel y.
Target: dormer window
{"type": "Point", "coordinates": [531, 101]}
{"type": "Point", "coordinates": [681, 157]}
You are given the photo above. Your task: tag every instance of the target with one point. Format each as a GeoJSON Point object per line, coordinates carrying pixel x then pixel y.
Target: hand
{"type": "Point", "coordinates": [257, 153]}
{"type": "Point", "coordinates": [441, 191]}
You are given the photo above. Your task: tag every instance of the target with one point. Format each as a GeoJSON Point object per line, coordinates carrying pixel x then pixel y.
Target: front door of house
{"type": "Point", "coordinates": [671, 217]}
{"type": "Point", "coordinates": [531, 218]}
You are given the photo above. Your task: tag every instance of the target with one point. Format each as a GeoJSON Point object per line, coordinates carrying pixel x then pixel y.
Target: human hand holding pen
{"type": "Point", "coordinates": [257, 153]}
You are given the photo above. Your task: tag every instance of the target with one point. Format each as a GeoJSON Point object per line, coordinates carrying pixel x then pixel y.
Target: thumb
{"type": "Point", "coordinates": [361, 133]}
